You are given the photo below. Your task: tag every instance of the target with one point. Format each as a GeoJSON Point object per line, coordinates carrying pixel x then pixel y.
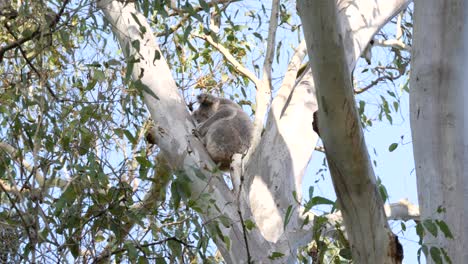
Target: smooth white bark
{"type": "Point", "coordinates": [439, 119]}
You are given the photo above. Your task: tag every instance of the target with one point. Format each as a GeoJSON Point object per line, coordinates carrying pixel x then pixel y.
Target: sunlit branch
{"type": "Point", "coordinates": [394, 43]}
{"type": "Point", "coordinates": [402, 210]}
{"type": "Point", "coordinates": [290, 78]}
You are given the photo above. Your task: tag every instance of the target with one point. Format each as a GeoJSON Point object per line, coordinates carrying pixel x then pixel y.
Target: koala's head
{"type": "Point", "coordinates": [208, 106]}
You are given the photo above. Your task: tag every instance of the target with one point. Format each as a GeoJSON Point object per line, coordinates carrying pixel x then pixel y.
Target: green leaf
{"type": "Point", "coordinates": [129, 136]}
{"type": "Point", "coordinates": [383, 192]}
{"type": "Point", "coordinates": [204, 5]}
{"type": "Point", "coordinates": [435, 255]}
{"type": "Point", "coordinates": [322, 200]}
{"type": "Point", "coordinates": [136, 45]}
{"type": "Point", "coordinates": [294, 193]}
{"type": "Point", "coordinates": [403, 226]}
{"type": "Point", "coordinates": [249, 224]}
{"type": "Point", "coordinates": [224, 220]}
{"type": "Point", "coordinates": [420, 232]}
{"type": "Point", "coordinates": [99, 238]}
{"type": "Point", "coordinates": [396, 106]}
{"type": "Point", "coordinates": [346, 253]}
{"type": "Point", "coordinates": [362, 106]}
{"type": "Point", "coordinates": [143, 87]}
{"type": "Point", "coordinates": [227, 241]}
{"type": "Point", "coordinates": [444, 228]}
{"type": "Point", "coordinates": [74, 247]}
{"type": "Point", "coordinates": [199, 174]}
{"type": "Point", "coordinates": [276, 255]}
{"type": "Point", "coordinates": [128, 73]}
{"type": "Point", "coordinates": [175, 246]}
{"type": "Point", "coordinates": [132, 251]}
{"type": "Point", "coordinates": [175, 197]}
{"type": "Point", "coordinates": [446, 256]}
{"type": "Point", "coordinates": [143, 260]}
{"type": "Point", "coordinates": [161, 260]}
{"type": "Point", "coordinates": [392, 147]}
{"type": "Point", "coordinates": [144, 162]}
{"type": "Point", "coordinates": [424, 250]}
{"type": "Point", "coordinates": [306, 221]}
{"type": "Point", "coordinates": [287, 217]}
{"type": "Point", "coordinates": [430, 226]}
{"type": "Point", "coordinates": [257, 35]}
{"type": "Point", "coordinates": [99, 76]}
{"type": "Point", "coordinates": [157, 55]}
{"type": "Point", "coordinates": [311, 192]}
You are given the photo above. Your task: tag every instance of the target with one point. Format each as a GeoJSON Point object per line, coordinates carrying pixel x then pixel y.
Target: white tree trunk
{"type": "Point", "coordinates": [329, 27]}
{"type": "Point", "coordinates": [439, 118]}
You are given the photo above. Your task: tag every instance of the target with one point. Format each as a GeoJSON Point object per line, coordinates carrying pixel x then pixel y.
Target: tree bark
{"type": "Point", "coordinates": [439, 119]}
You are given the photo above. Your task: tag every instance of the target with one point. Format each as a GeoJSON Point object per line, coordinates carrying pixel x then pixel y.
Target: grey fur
{"type": "Point", "coordinates": [224, 128]}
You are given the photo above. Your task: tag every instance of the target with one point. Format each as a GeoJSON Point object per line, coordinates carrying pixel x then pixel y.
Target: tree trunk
{"type": "Point", "coordinates": [439, 119]}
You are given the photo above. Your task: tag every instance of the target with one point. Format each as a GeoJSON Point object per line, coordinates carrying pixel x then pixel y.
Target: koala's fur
{"type": "Point", "coordinates": [224, 128]}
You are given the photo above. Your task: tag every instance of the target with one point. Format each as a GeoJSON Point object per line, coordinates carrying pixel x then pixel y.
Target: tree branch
{"type": "Point", "coordinates": [402, 210]}
{"type": "Point", "coordinates": [263, 95]}
{"type": "Point", "coordinates": [394, 43]}
{"type": "Point", "coordinates": [375, 82]}
{"type": "Point", "coordinates": [174, 28]}
{"type": "Point", "coordinates": [230, 58]}
{"type": "Point", "coordinates": [289, 80]}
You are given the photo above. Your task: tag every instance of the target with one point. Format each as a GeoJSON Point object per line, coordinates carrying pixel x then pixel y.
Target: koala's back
{"type": "Point", "coordinates": [225, 134]}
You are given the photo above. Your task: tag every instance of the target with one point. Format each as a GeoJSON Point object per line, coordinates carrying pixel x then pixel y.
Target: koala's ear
{"type": "Point", "coordinates": [205, 99]}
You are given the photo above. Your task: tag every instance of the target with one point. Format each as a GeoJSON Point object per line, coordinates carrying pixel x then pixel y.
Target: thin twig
{"type": "Point", "coordinates": [375, 82]}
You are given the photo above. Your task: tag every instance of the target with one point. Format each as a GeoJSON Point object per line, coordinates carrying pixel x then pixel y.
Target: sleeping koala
{"type": "Point", "coordinates": [224, 128]}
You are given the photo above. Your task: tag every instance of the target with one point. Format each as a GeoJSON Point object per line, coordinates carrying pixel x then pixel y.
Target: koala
{"type": "Point", "coordinates": [224, 128]}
